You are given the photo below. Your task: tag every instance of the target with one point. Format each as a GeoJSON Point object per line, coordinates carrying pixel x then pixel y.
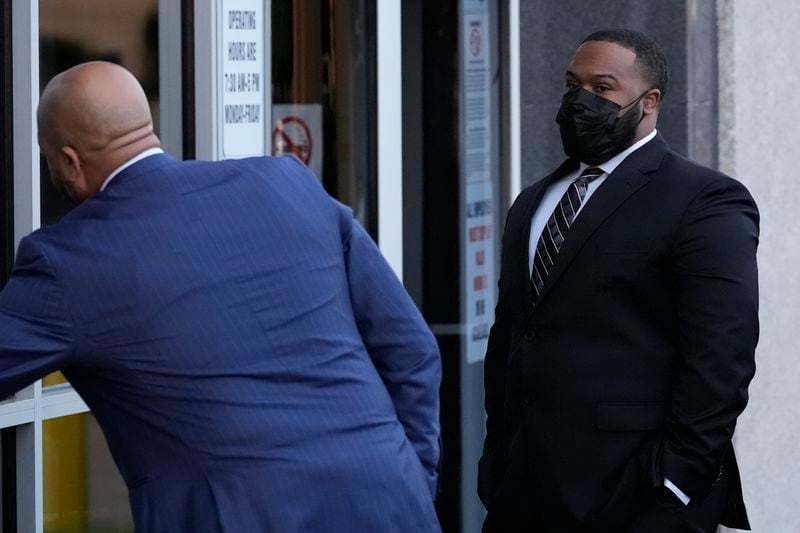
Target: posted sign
{"type": "Point", "coordinates": [243, 86]}
{"type": "Point", "coordinates": [297, 130]}
{"type": "Point", "coordinates": [477, 183]}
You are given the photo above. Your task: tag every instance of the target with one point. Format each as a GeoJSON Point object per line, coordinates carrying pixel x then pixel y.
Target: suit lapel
{"type": "Point", "coordinates": [630, 176]}
{"type": "Point", "coordinates": [535, 198]}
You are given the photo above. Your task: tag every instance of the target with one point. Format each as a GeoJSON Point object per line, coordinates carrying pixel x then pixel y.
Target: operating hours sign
{"type": "Point", "coordinates": [244, 86]}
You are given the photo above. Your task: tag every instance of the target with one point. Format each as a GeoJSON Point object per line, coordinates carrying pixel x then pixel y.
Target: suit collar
{"type": "Point", "coordinates": [631, 175]}
{"type": "Point", "coordinates": [611, 165]}
{"type": "Point", "coordinates": [139, 167]}
{"type": "Point", "coordinates": [567, 167]}
{"type": "Point", "coordinates": [648, 158]}
{"type": "Point", "coordinates": [129, 162]}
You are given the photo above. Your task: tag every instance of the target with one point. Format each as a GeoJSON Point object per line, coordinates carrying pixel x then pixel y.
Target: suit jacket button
{"type": "Point", "coordinates": [529, 335]}
{"type": "Point", "coordinates": [527, 400]}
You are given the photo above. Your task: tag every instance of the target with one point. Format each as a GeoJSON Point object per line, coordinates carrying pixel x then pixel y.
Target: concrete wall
{"type": "Point", "coordinates": [759, 136]}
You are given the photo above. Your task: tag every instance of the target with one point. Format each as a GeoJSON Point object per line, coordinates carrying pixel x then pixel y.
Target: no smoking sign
{"type": "Point", "coordinates": [297, 130]}
{"type": "Point", "coordinates": [294, 136]}
{"type": "Point", "coordinates": [475, 39]}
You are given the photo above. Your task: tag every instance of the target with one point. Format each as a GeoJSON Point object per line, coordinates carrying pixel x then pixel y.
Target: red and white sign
{"type": "Point", "coordinates": [297, 129]}
{"type": "Point", "coordinates": [475, 40]}
{"type": "Point", "coordinates": [293, 136]}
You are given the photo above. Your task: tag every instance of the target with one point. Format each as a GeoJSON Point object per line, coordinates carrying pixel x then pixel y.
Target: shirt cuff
{"type": "Point", "coordinates": [678, 492]}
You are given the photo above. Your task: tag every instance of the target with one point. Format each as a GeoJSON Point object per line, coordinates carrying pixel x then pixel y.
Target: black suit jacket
{"type": "Point", "coordinates": [635, 362]}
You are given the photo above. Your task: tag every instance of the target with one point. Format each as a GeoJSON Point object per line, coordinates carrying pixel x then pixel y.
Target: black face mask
{"type": "Point", "coordinates": [591, 131]}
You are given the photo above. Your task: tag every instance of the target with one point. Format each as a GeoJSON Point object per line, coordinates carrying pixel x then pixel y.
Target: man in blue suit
{"type": "Point", "coordinates": [253, 361]}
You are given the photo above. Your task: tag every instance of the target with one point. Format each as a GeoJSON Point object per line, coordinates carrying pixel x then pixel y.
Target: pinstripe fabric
{"type": "Point", "coordinates": [557, 227]}
{"type": "Point", "coordinates": [253, 361]}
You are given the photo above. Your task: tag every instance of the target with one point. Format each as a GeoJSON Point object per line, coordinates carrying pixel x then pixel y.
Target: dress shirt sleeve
{"type": "Point", "coordinates": [677, 492]}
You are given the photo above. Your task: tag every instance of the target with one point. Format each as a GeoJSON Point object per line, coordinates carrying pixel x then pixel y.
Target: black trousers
{"type": "Point", "coordinates": [515, 509]}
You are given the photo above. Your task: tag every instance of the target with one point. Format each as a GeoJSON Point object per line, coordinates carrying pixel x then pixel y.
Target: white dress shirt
{"type": "Point", "coordinates": [557, 189]}
{"type": "Point", "coordinates": [129, 162]}
{"type": "Point", "coordinates": [550, 200]}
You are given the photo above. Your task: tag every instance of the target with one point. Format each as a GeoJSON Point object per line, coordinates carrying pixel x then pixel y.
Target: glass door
{"type": "Point", "coordinates": [7, 156]}
{"type": "Point", "coordinates": [453, 150]}
{"type": "Point", "coordinates": [82, 489]}
{"type": "Point", "coordinates": [323, 87]}
{"type": "Point", "coordinates": [56, 474]}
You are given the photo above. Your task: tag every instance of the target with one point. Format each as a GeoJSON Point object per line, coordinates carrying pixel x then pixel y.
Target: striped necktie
{"type": "Point", "coordinates": [555, 231]}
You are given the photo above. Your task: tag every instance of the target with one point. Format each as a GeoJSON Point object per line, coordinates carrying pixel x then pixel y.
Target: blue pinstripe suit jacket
{"type": "Point", "coordinates": [253, 361]}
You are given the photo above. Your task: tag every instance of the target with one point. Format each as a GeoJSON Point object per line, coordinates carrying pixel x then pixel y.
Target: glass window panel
{"type": "Point", "coordinates": [322, 93]}
{"type": "Point", "coordinates": [8, 481]}
{"type": "Point", "coordinates": [2, 483]}
{"type": "Point", "coordinates": [56, 378]}
{"type": "Point", "coordinates": [83, 490]}
{"type": "Point", "coordinates": [6, 146]}
{"type": "Point", "coordinates": [75, 31]}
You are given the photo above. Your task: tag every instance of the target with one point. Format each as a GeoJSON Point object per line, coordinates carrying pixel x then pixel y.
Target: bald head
{"type": "Point", "coordinates": [97, 114]}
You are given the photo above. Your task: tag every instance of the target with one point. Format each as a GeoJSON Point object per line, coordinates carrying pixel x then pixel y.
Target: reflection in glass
{"type": "Point", "coordinates": [322, 93]}
{"type": "Point", "coordinates": [75, 31]}
{"type": "Point", "coordinates": [83, 490]}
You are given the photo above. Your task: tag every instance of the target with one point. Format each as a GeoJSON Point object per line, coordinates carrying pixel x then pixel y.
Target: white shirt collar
{"type": "Point", "coordinates": [609, 166]}
{"type": "Point", "coordinates": [129, 162]}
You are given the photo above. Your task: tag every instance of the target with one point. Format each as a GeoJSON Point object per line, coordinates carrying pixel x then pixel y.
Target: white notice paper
{"type": "Point", "coordinates": [478, 236]}
{"type": "Point", "coordinates": [242, 58]}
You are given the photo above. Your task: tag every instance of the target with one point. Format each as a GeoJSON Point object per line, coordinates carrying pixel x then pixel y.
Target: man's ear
{"type": "Point", "coordinates": [73, 169]}
{"type": "Point", "coordinates": [651, 100]}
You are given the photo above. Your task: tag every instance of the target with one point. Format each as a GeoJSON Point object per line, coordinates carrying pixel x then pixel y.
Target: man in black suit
{"type": "Point", "coordinates": [626, 322]}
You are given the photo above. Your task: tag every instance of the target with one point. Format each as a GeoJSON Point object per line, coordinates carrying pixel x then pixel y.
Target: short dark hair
{"type": "Point", "coordinates": [649, 56]}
